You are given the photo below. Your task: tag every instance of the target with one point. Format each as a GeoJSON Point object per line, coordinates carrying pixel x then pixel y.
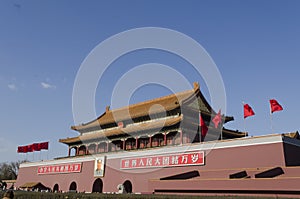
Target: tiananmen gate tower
{"type": "Point", "coordinates": [159, 146]}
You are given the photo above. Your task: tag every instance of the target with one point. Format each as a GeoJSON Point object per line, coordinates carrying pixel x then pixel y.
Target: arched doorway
{"type": "Point", "coordinates": [56, 188]}
{"type": "Point", "coordinates": [128, 186]}
{"type": "Point", "coordinates": [92, 149]}
{"type": "Point", "coordinates": [82, 150]}
{"type": "Point", "coordinates": [97, 186]}
{"type": "Point", "coordinates": [73, 187]}
{"type": "Point", "coordinates": [73, 151]}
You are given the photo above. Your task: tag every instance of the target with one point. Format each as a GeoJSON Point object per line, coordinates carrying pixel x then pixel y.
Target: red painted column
{"type": "Point", "coordinates": [107, 146]}
{"type": "Point", "coordinates": [86, 150]}
{"type": "Point", "coordinates": [69, 153]}
{"type": "Point", "coordinates": [165, 139]}
{"type": "Point", "coordinates": [96, 148]}
{"type": "Point", "coordinates": [77, 151]}
{"type": "Point", "coordinates": [124, 146]}
{"type": "Point", "coordinates": [181, 136]}
{"type": "Point", "coordinates": [150, 140]}
{"type": "Point", "coordinates": [136, 142]}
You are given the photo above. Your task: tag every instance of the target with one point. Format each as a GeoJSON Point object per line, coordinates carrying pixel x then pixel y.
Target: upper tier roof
{"type": "Point", "coordinates": [156, 105]}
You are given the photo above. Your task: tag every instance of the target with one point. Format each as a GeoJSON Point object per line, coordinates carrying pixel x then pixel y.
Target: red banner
{"type": "Point", "coordinates": [30, 148]}
{"type": "Point", "coordinates": [33, 147]}
{"type": "Point", "coordinates": [60, 168]}
{"type": "Point", "coordinates": [22, 149]}
{"type": "Point", "coordinates": [36, 147]}
{"type": "Point", "coordinates": [183, 159]}
{"type": "Point", "coordinates": [44, 145]}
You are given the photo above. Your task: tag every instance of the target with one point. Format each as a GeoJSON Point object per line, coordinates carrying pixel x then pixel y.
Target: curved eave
{"type": "Point", "coordinates": [235, 134]}
{"type": "Point", "coordinates": [86, 125]}
{"type": "Point", "coordinates": [168, 103]}
{"type": "Point", "coordinates": [158, 124]}
{"type": "Point", "coordinates": [294, 135]}
{"type": "Point", "coordinates": [228, 118]}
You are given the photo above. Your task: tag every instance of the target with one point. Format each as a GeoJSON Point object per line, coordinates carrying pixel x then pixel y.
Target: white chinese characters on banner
{"type": "Point", "coordinates": [60, 168]}
{"type": "Point", "coordinates": [183, 159]}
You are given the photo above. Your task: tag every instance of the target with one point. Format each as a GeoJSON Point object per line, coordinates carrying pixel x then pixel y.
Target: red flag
{"type": "Point", "coordinates": [44, 145]}
{"type": "Point", "coordinates": [25, 149]}
{"type": "Point", "coordinates": [22, 149]}
{"type": "Point", "coordinates": [29, 148]}
{"type": "Point", "coordinates": [275, 106]}
{"type": "Point", "coordinates": [203, 126]}
{"type": "Point", "coordinates": [217, 119]}
{"type": "Point", "coordinates": [248, 111]}
{"type": "Point", "coordinates": [36, 147]}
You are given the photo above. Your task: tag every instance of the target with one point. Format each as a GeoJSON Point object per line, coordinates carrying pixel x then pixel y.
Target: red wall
{"type": "Point", "coordinates": [267, 155]}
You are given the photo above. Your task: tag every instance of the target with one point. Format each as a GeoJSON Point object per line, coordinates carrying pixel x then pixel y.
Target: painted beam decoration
{"type": "Point", "coordinates": [99, 167]}
{"type": "Point", "coordinates": [60, 168]}
{"type": "Point", "coordinates": [170, 160]}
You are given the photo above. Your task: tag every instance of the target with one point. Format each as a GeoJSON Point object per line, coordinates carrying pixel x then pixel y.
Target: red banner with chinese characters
{"type": "Point", "coordinates": [60, 168]}
{"type": "Point", "coordinates": [182, 159]}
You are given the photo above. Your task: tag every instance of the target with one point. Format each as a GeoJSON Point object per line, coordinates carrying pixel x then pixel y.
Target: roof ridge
{"type": "Point", "coordinates": [152, 100]}
{"type": "Point", "coordinates": [176, 98]}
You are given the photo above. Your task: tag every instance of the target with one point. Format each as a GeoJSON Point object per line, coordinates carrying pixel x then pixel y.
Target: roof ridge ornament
{"type": "Point", "coordinates": [196, 86]}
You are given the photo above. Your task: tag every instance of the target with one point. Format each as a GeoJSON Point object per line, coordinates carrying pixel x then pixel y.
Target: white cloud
{"type": "Point", "coordinates": [47, 86]}
{"type": "Point", "coordinates": [12, 87]}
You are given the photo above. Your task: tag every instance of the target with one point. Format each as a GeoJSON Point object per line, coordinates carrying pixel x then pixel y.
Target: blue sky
{"type": "Point", "coordinates": [255, 44]}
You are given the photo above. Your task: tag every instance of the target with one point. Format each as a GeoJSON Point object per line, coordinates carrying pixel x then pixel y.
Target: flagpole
{"type": "Point", "coordinates": [221, 130]}
{"type": "Point", "coordinates": [245, 127]}
{"type": "Point", "coordinates": [221, 134]}
{"type": "Point", "coordinates": [271, 120]}
{"type": "Point", "coordinates": [199, 126]}
{"type": "Point", "coordinates": [221, 127]}
{"type": "Point", "coordinates": [244, 119]}
{"type": "Point", "coordinates": [275, 106]}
